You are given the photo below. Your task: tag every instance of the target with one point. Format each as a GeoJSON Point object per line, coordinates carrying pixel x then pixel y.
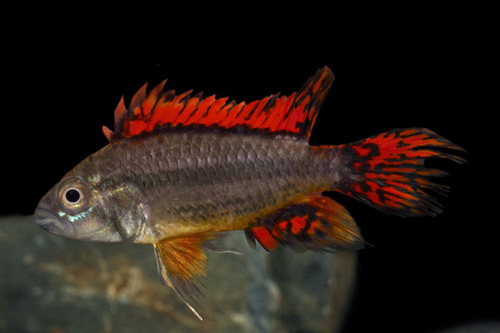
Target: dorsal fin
{"type": "Point", "coordinates": [292, 115]}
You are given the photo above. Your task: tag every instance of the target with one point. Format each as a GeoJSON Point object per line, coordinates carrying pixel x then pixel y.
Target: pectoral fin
{"type": "Point", "coordinates": [181, 262]}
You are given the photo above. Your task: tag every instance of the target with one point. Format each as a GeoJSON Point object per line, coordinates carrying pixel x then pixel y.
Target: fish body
{"type": "Point", "coordinates": [183, 183]}
{"type": "Point", "coordinates": [181, 169]}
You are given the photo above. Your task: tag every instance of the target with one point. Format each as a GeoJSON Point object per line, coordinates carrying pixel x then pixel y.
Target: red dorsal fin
{"type": "Point", "coordinates": [312, 222]}
{"type": "Point", "coordinates": [292, 115]}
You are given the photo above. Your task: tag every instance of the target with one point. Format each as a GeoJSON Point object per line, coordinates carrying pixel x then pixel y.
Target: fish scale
{"type": "Point", "coordinates": [248, 170]}
{"type": "Point", "coordinates": [257, 178]}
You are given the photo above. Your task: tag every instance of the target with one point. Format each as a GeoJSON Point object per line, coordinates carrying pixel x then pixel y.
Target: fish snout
{"type": "Point", "coordinates": [45, 219]}
{"type": "Point", "coordinates": [50, 222]}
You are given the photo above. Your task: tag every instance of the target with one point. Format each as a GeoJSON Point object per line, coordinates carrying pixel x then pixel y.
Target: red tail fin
{"type": "Point", "coordinates": [387, 171]}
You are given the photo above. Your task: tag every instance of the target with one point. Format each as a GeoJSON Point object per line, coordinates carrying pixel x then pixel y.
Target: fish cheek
{"type": "Point", "coordinates": [85, 225]}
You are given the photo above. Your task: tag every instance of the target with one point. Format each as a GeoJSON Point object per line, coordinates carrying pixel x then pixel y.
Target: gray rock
{"type": "Point", "coordinates": [52, 284]}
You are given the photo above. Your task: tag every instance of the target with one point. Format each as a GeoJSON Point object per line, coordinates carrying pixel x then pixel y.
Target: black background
{"type": "Point", "coordinates": [416, 67]}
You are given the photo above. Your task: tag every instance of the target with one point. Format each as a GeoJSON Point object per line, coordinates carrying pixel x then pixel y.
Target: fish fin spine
{"type": "Point", "coordinates": [292, 115]}
{"type": "Point", "coordinates": [387, 171]}
{"type": "Point", "coordinates": [312, 222]}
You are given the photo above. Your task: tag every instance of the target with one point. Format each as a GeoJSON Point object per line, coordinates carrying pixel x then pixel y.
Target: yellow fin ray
{"type": "Point", "coordinates": [181, 262]}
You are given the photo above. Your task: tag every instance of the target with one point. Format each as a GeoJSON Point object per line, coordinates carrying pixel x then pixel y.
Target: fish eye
{"type": "Point", "coordinates": [74, 194]}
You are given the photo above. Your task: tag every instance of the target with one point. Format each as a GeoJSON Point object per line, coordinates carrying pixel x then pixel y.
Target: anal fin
{"type": "Point", "coordinates": [312, 222]}
{"type": "Point", "coordinates": [181, 262]}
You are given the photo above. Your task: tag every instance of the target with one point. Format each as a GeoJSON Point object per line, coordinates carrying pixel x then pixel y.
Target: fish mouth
{"type": "Point", "coordinates": [45, 219]}
{"type": "Point", "coordinates": [49, 222]}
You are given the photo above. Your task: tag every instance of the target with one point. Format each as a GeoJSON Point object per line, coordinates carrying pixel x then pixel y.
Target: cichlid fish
{"type": "Point", "coordinates": [179, 169]}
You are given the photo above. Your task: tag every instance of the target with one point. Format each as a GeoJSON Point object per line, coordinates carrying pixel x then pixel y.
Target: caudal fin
{"type": "Point", "coordinates": [387, 171]}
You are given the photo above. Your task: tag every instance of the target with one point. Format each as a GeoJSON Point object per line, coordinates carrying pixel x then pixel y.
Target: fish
{"type": "Point", "coordinates": [180, 170]}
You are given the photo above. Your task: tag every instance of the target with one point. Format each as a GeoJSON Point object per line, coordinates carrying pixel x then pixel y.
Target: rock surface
{"type": "Point", "coordinates": [52, 284]}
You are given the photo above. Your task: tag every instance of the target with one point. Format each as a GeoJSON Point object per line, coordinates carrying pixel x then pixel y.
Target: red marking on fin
{"type": "Point", "coordinates": [292, 115]}
{"type": "Point", "coordinates": [388, 171]}
{"type": "Point", "coordinates": [181, 262]}
{"type": "Point", "coordinates": [265, 237]}
{"type": "Point", "coordinates": [313, 223]}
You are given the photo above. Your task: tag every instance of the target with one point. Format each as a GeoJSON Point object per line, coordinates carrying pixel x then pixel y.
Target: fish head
{"type": "Point", "coordinates": [80, 209]}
